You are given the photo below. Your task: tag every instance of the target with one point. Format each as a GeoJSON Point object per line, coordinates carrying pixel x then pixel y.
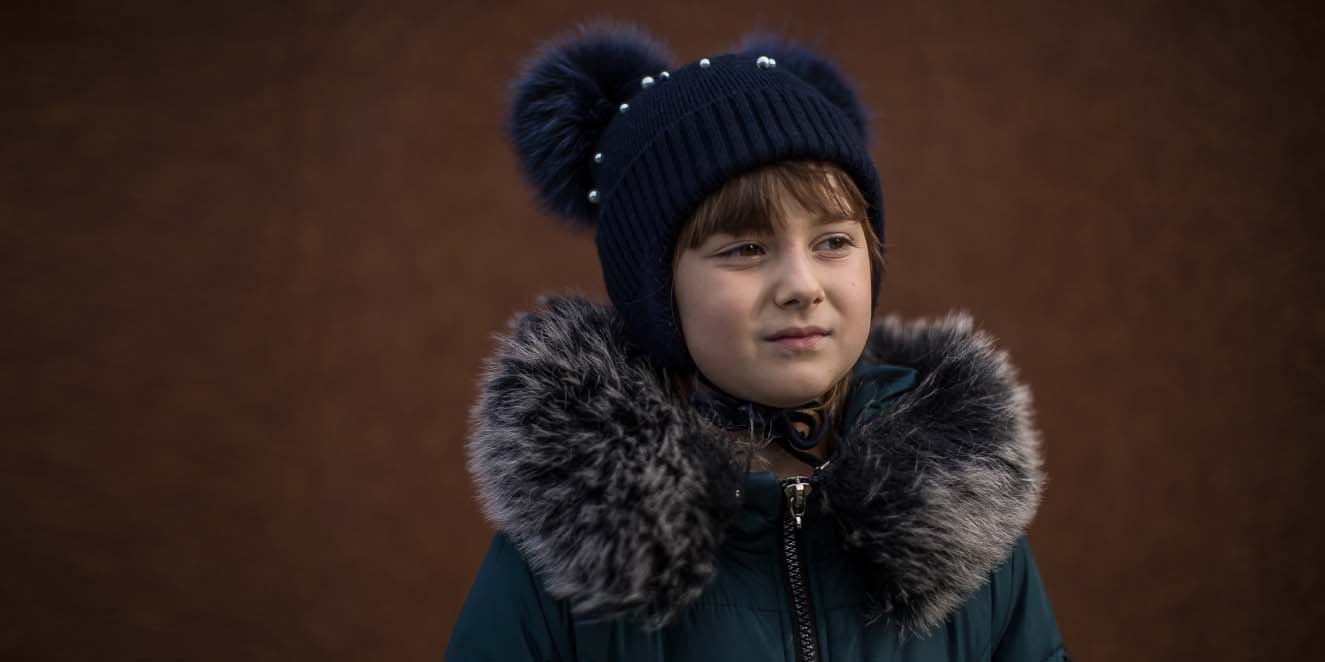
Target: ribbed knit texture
{"type": "Point", "coordinates": [680, 140]}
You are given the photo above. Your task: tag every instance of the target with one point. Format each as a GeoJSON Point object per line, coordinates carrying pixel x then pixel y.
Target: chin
{"type": "Point", "coordinates": [792, 401]}
{"type": "Point", "coordinates": [794, 391]}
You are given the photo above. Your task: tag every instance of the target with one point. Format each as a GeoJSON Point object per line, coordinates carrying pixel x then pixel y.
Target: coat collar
{"type": "Point", "coordinates": [619, 496]}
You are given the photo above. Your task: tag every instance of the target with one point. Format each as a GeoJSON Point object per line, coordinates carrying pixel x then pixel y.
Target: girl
{"type": "Point", "coordinates": [734, 461]}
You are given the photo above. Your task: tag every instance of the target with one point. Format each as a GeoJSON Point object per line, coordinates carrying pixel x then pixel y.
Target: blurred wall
{"type": "Point", "coordinates": [253, 257]}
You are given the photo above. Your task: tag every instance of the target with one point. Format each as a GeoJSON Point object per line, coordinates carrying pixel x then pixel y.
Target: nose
{"type": "Point", "coordinates": [798, 283]}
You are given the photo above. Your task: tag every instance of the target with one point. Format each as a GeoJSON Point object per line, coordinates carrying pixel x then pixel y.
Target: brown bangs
{"type": "Point", "coordinates": [748, 203]}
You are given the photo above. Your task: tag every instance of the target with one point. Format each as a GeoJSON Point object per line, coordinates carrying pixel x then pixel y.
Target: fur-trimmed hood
{"type": "Point", "coordinates": [618, 495]}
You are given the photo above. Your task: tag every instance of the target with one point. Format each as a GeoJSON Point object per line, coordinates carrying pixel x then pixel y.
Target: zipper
{"type": "Point", "coordinates": [796, 491]}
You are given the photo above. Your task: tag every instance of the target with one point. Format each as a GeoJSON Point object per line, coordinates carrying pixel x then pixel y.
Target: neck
{"type": "Point", "coordinates": [777, 457]}
{"type": "Point", "coordinates": [783, 465]}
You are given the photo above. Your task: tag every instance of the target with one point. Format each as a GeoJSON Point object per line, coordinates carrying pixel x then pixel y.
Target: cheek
{"type": "Point", "coordinates": [697, 308]}
{"type": "Point", "coordinates": [711, 308]}
{"type": "Point", "coordinates": [714, 314]}
{"type": "Point", "coordinates": [857, 301]}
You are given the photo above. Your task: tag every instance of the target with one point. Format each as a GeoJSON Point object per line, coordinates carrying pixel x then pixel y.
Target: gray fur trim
{"type": "Point", "coordinates": [934, 492]}
{"type": "Point", "coordinates": [618, 496]}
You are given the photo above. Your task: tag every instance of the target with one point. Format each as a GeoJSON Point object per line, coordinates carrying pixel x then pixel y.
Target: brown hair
{"type": "Point", "coordinates": [749, 203]}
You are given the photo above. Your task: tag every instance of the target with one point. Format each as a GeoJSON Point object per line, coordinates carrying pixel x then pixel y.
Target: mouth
{"type": "Point", "coordinates": [799, 332]}
{"type": "Point", "coordinates": [799, 338]}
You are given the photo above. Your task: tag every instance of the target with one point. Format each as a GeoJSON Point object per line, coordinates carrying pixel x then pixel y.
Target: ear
{"type": "Point", "coordinates": [561, 103]}
{"type": "Point", "coordinates": [819, 73]}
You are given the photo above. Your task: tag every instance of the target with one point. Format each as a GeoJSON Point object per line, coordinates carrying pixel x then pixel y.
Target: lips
{"type": "Point", "coordinates": [799, 341]}
{"type": "Point", "coordinates": [798, 332]}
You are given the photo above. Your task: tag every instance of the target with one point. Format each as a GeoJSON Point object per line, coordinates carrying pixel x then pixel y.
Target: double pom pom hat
{"type": "Point", "coordinates": [613, 138]}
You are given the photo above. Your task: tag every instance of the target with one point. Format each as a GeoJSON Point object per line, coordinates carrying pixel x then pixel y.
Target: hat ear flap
{"type": "Point", "coordinates": [819, 73]}
{"type": "Point", "coordinates": [561, 103]}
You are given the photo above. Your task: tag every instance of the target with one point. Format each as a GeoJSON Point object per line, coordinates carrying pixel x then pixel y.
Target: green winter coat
{"type": "Point", "coordinates": [627, 532]}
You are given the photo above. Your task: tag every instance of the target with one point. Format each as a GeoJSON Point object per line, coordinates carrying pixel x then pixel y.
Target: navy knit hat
{"type": "Point", "coordinates": [612, 139]}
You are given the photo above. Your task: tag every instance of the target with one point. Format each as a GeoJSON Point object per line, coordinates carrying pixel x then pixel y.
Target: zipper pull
{"type": "Point", "coordinates": [796, 489]}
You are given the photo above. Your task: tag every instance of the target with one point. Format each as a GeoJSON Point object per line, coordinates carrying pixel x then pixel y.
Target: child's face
{"type": "Point", "coordinates": [734, 293]}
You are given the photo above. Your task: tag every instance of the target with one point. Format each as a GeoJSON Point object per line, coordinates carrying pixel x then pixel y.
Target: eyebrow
{"type": "Point", "coordinates": [817, 221]}
{"type": "Point", "coordinates": [828, 219]}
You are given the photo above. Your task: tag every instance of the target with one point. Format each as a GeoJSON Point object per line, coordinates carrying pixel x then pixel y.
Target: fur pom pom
{"type": "Point", "coordinates": [563, 100]}
{"type": "Point", "coordinates": [819, 73]}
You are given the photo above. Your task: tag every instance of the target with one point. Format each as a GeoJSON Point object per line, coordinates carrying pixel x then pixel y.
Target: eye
{"type": "Point", "coordinates": [838, 243]}
{"type": "Point", "coordinates": [747, 249]}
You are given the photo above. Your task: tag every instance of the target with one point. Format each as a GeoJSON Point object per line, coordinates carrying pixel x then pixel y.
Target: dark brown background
{"type": "Point", "coordinates": [252, 258]}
